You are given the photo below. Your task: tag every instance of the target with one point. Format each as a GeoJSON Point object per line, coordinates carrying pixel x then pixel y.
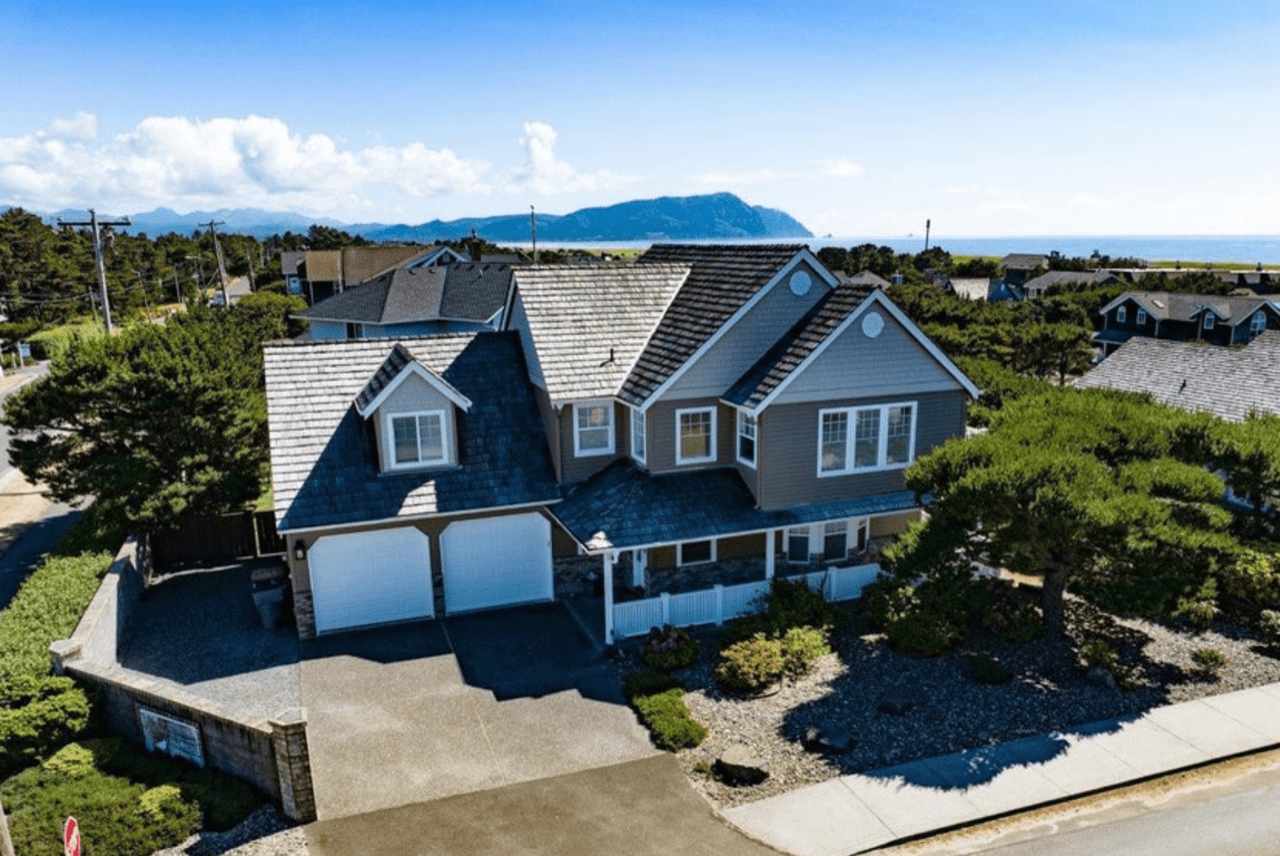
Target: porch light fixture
{"type": "Point", "coordinates": [299, 550]}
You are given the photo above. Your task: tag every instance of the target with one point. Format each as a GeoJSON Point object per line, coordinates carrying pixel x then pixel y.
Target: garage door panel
{"type": "Point", "coordinates": [371, 578]}
{"type": "Point", "coordinates": [496, 561]}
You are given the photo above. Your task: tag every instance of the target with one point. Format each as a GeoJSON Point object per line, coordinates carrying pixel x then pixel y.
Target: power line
{"type": "Point", "coordinates": [222, 270]}
{"type": "Point", "coordinates": [97, 257]}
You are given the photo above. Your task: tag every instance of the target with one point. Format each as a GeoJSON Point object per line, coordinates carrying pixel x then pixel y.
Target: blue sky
{"type": "Point", "coordinates": [860, 119]}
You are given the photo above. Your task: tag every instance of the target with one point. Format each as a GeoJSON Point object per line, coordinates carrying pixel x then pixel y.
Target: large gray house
{"type": "Point", "coordinates": [703, 406]}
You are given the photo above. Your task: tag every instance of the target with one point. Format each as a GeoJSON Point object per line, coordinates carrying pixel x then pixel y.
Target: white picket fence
{"type": "Point", "coordinates": [721, 603]}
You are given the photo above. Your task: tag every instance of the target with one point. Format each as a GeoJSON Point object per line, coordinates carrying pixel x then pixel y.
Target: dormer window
{"type": "Point", "coordinates": [1121, 314]}
{"type": "Point", "coordinates": [418, 439]}
{"type": "Point", "coordinates": [1209, 320]}
{"type": "Point", "coordinates": [593, 428]}
{"type": "Point", "coordinates": [1142, 317]}
{"type": "Point", "coordinates": [1259, 322]}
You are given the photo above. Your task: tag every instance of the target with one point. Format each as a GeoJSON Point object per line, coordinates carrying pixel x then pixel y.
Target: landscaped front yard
{"type": "Point", "coordinates": [895, 708]}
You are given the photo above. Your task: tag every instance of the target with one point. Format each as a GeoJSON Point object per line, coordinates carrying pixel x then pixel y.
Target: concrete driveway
{"type": "Point", "coordinates": [433, 709]}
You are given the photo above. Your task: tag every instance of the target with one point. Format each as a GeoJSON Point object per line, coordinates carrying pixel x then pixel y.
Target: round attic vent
{"type": "Point", "coordinates": [872, 324]}
{"type": "Point", "coordinates": [801, 282]}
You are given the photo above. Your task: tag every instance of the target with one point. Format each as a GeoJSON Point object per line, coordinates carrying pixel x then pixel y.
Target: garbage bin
{"type": "Point", "coordinates": [267, 586]}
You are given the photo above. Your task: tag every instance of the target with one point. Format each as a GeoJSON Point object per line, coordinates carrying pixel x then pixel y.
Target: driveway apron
{"type": "Point", "coordinates": [427, 710]}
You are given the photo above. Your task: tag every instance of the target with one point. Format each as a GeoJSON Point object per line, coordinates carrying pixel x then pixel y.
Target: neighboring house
{"type": "Point", "coordinates": [970, 288]}
{"type": "Point", "coordinates": [1208, 318]}
{"type": "Point", "coordinates": [999, 291]}
{"type": "Point", "coordinates": [864, 277]}
{"type": "Point", "coordinates": [1039, 285]}
{"type": "Point", "coordinates": [1227, 382]}
{"type": "Point", "coordinates": [1017, 268]}
{"type": "Point", "coordinates": [415, 301]}
{"type": "Point", "coordinates": [705, 405]}
{"type": "Point", "coordinates": [289, 263]}
{"type": "Point", "coordinates": [237, 287]}
{"type": "Point", "coordinates": [324, 273]}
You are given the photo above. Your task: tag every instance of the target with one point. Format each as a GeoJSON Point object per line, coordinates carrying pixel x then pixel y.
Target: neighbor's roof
{"type": "Point", "coordinates": [289, 261]}
{"type": "Point", "coordinates": [361, 263]}
{"type": "Point", "coordinates": [1175, 306]}
{"type": "Point", "coordinates": [589, 324]}
{"type": "Point", "coordinates": [634, 509]}
{"type": "Point", "coordinates": [1024, 261]}
{"type": "Point", "coordinates": [866, 277]}
{"type": "Point", "coordinates": [323, 265]}
{"type": "Point", "coordinates": [1069, 277]}
{"type": "Point", "coordinates": [460, 292]}
{"type": "Point", "coordinates": [798, 343]}
{"type": "Point", "coordinates": [1227, 382]}
{"type": "Point", "coordinates": [723, 278]}
{"type": "Point", "coordinates": [323, 464]}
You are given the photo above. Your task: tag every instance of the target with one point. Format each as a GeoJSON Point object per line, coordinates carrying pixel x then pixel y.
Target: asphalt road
{"type": "Point", "coordinates": [35, 370]}
{"type": "Point", "coordinates": [26, 553]}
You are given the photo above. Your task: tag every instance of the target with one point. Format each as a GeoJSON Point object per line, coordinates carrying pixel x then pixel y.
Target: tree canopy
{"type": "Point", "coordinates": [157, 421]}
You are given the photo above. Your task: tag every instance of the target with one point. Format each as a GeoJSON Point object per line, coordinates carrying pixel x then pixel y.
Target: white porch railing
{"type": "Point", "coordinates": [721, 603]}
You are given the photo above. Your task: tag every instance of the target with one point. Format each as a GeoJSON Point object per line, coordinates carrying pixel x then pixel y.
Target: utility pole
{"type": "Point", "coordinates": [533, 230]}
{"type": "Point", "coordinates": [927, 224]}
{"type": "Point", "coordinates": [248, 258]}
{"type": "Point", "coordinates": [222, 270]}
{"type": "Point", "coordinates": [95, 223]}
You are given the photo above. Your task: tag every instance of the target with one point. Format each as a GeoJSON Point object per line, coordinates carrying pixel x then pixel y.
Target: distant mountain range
{"type": "Point", "coordinates": [712, 216]}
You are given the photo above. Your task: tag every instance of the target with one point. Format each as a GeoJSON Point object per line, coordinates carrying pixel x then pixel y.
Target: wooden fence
{"type": "Point", "coordinates": [249, 534]}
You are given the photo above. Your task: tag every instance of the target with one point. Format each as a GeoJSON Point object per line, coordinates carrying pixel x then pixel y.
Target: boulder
{"type": "Point", "coordinates": [829, 740]}
{"type": "Point", "coordinates": [896, 704]}
{"type": "Point", "coordinates": [740, 766]}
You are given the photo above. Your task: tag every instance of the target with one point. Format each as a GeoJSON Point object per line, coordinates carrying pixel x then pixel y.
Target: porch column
{"type": "Point", "coordinates": [768, 554]}
{"type": "Point", "coordinates": [639, 563]}
{"type": "Point", "coordinates": [608, 597]}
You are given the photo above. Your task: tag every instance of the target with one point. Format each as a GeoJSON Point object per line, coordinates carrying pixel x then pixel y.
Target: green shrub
{"type": "Point", "coordinates": [923, 633]}
{"type": "Point", "coordinates": [671, 725]}
{"type": "Point", "coordinates": [669, 648]}
{"type": "Point", "coordinates": [801, 646]}
{"type": "Point", "coordinates": [37, 715]}
{"type": "Point", "coordinates": [986, 670]}
{"type": "Point", "coordinates": [788, 604]}
{"type": "Point", "coordinates": [1252, 580]}
{"type": "Point", "coordinates": [1197, 612]}
{"type": "Point", "coordinates": [1012, 620]}
{"type": "Point", "coordinates": [647, 682]}
{"type": "Point", "coordinates": [1209, 660]}
{"type": "Point", "coordinates": [1099, 654]}
{"type": "Point", "coordinates": [751, 665]}
{"type": "Point", "coordinates": [1269, 624]}
{"type": "Point", "coordinates": [879, 599]}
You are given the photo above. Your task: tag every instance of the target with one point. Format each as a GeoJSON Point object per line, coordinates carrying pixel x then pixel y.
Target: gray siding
{"type": "Point", "coordinates": [412, 395]}
{"type": "Point", "coordinates": [662, 434]}
{"type": "Point", "coordinates": [856, 366]}
{"type": "Point", "coordinates": [789, 446]}
{"type": "Point", "coordinates": [519, 322]}
{"type": "Point", "coordinates": [746, 341]}
{"type": "Point", "coordinates": [327, 330]}
{"type": "Point", "coordinates": [572, 467]}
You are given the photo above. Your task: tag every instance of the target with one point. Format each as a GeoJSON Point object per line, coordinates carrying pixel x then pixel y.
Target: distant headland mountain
{"type": "Point", "coordinates": [710, 216]}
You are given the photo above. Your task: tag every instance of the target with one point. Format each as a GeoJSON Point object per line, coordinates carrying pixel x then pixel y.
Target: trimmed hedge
{"type": "Point", "coordinates": [47, 608]}
{"type": "Point", "coordinates": [671, 724]}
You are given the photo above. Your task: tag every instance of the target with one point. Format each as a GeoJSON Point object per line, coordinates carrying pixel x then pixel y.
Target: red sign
{"type": "Point", "coordinates": [71, 837]}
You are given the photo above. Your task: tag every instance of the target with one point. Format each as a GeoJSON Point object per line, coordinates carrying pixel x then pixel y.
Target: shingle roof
{"type": "Point", "coordinates": [289, 261]}
{"type": "Point", "coordinates": [361, 263]}
{"type": "Point", "coordinates": [1228, 382]}
{"type": "Point", "coordinates": [589, 324]}
{"type": "Point", "coordinates": [1068, 277]}
{"type": "Point", "coordinates": [798, 343]}
{"type": "Point", "coordinates": [323, 265]}
{"type": "Point", "coordinates": [1176, 306]}
{"type": "Point", "coordinates": [461, 292]}
{"type": "Point", "coordinates": [635, 509]}
{"type": "Point", "coordinates": [866, 277]}
{"type": "Point", "coordinates": [1024, 261]}
{"type": "Point", "coordinates": [723, 278]}
{"type": "Point", "coordinates": [323, 468]}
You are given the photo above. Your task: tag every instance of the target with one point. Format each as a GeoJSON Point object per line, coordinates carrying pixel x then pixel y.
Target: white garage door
{"type": "Point", "coordinates": [371, 578]}
{"type": "Point", "coordinates": [496, 561]}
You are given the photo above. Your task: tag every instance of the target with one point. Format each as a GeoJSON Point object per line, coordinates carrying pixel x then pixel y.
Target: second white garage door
{"type": "Point", "coordinates": [496, 561]}
{"type": "Point", "coordinates": [370, 578]}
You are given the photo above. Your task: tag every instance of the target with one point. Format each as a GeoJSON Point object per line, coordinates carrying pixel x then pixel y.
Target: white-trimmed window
{"type": "Point", "coordinates": [835, 540]}
{"type": "Point", "coordinates": [637, 435]}
{"type": "Point", "coordinates": [1259, 322]}
{"type": "Point", "coordinates": [1121, 314]}
{"type": "Point", "coordinates": [746, 439]}
{"type": "Point", "coordinates": [882, 437]}
{"type": "Point", "coordinates": [695, 435]}
{"type": "Point", "coordinates": [418, 439]}
{"type": "Point", "coordinates": [1209, 320]}
{"type": "Point", "coordinates": [1142, 317]}
{"type": "Point", "coordinates": [696, 552]}
{"type": "Point", "coordinates": [593, 428]}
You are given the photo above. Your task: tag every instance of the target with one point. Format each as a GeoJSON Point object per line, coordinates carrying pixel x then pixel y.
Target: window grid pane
{"type": "Point", "coordinates": [899, 436]}
{"type": "Point", "coordinates": [594, 428]}
{"type": "Point", "coordinates": [406, 439]}
{"type": "Point", "coordinates": [430, 437]}
{"type": "Point", "coordinates": [798, 544]}
{"type": "Point", "coordinates": [866, 451]}
{"type": "Point", "coordinates": [835, 436]}
{"type": "Point", "coordinates": [746, 438]}
{"type": "Point", "coordinates": [695, 435]}
{"type": "Point", "coordinates": [637, 435]}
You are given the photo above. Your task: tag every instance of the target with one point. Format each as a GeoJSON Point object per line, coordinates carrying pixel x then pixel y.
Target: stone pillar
{"type": "Point", "coordinates": [293, 765]}
{"type": "Point", "coordinates": [608, 597]}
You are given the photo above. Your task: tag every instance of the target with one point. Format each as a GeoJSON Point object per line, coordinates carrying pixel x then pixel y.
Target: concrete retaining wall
{"type": "Point", "coordinates": [271, 754]}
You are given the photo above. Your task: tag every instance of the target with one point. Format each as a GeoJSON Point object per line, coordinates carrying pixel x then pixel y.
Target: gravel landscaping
{"type": "Point", "coordinates": [897, 708]}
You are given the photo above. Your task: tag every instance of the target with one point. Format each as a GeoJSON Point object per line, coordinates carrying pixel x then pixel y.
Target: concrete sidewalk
{"type": "Point", "coordinates": [868, 810]}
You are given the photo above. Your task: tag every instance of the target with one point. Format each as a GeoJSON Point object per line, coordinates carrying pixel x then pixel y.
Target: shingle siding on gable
{"type": "Point", "coordinates": [789, 438]}
{"type": "Point", "coordinates": [856, 366]}
{"type": "Point", "coordinates": [747, 340]}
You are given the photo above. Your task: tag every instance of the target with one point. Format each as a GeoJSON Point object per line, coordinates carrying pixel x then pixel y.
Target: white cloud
{"type": "Point", "coordinates": [1089, 200]}
{"type": "Point", "coordinates": [253, 161]}
{"type": "Point", "coordinates": [544, 172]}
{"type": "Point", "coordinates": [735, 179]}
{"type": "Point", "coordinates": [842, 168]}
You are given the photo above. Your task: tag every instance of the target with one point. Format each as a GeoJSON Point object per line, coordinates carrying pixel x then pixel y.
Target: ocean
{"type": "Point", "coordinates": [1243, 250]}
